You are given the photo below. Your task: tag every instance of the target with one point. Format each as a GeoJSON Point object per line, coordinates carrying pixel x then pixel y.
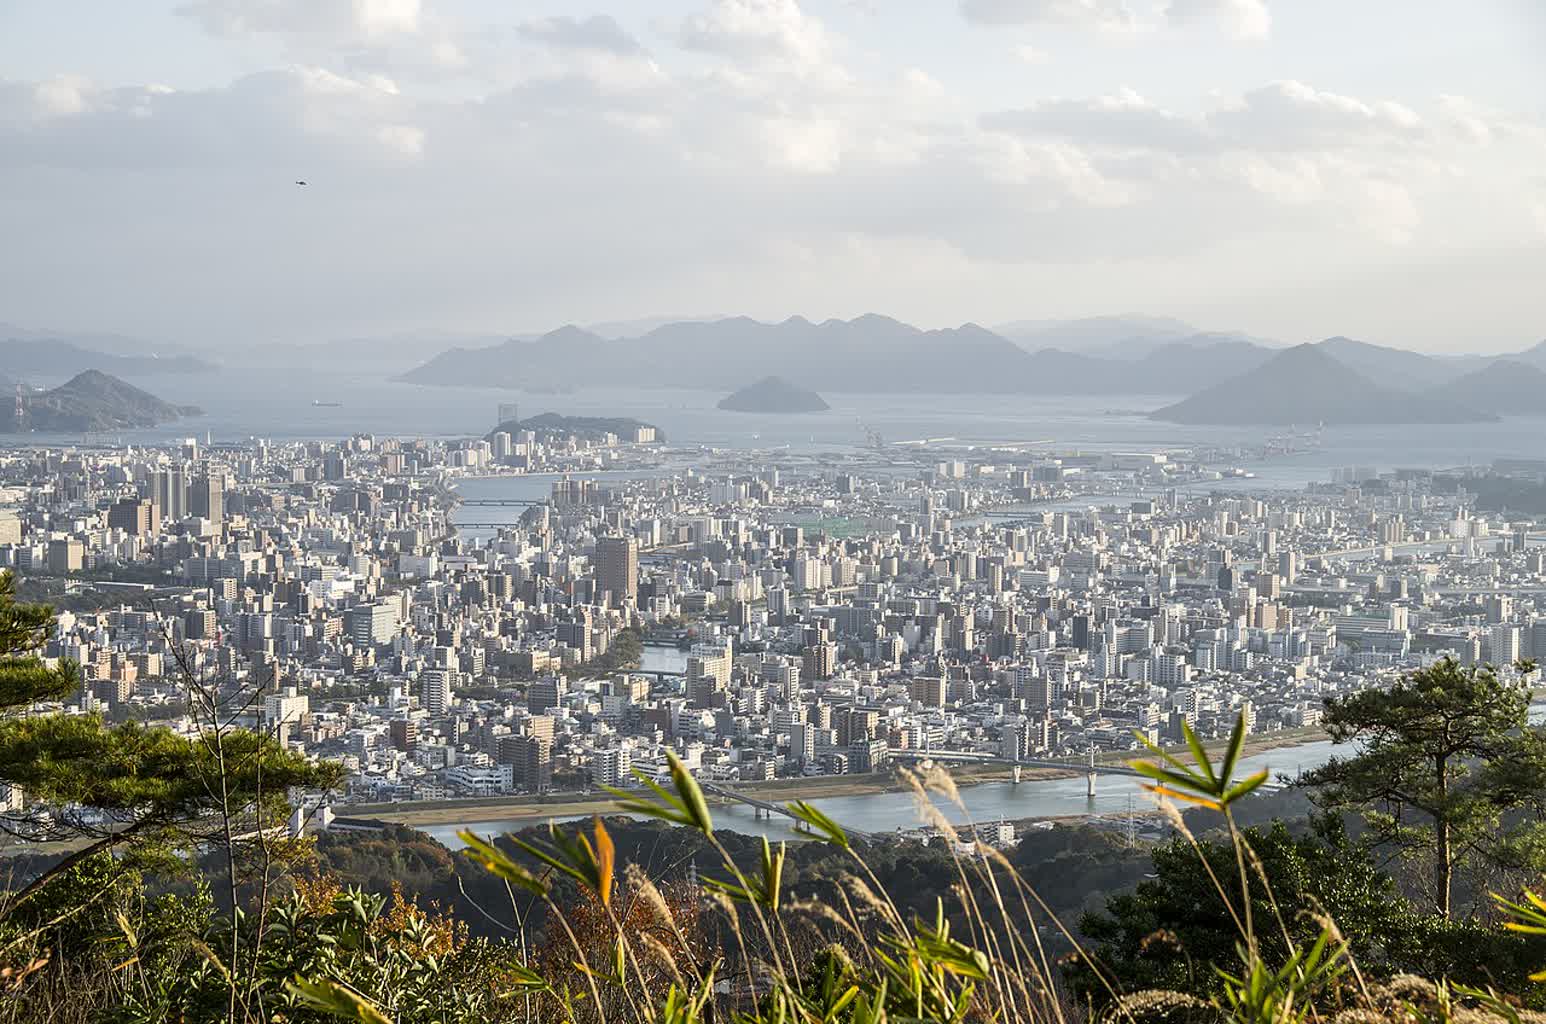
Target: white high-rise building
{"type": "Point", "coordinates": [435, 686]}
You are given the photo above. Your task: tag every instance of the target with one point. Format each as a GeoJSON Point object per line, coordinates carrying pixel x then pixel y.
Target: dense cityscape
{"type": "Point", "coordinates": [772, 512]}
{"type": "Point", "coordinates": [816, 616]}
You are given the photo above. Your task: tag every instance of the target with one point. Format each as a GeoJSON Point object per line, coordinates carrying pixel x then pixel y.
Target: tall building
{"type": "Point", "coordinates": [404, 734]}
{"type": "Point", "coordinates": [370, 625]}
{"type": "Point", "coordinates": [708, 672]}
{"type": "Point", "coordinates": [66, 556]}
{"type": "Point", "coordinates": [435, 689]}
{"type": "Point", "coordinates": [819, 661]}
{"type": "Point", "coordinates": [617, 569]}
{"type": "Point", "coordinates": [610, 766]}
{"type": "Point", "coordinates": [134, 515]}
{"type": "Point", "coordinates": [1503, 646]}
{"type": "Point", "coordinates": [169, 493]}
{"type": "Point", "coordinates": [530, 755]}
{"type": "Point", "coordinates": [206, 498]}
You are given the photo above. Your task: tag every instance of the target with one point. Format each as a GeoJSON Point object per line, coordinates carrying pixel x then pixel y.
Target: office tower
{"type": "Point", "coordinates": [577, 633]}
{"type": "Point", "coordinates": [509, 412]}
{"type": "Point", "coordinates": [169, 493]}
{"type": "Point", "coordinates": [66, 556]}
{"type": "Point", "coordinates": [708, 673]}
{"type": "Point", "coordinates": [207, 498]}
{"type": "Point", "coordinates": [369, 625]}
{"type": "Point", "coordinates": [617, 570]}
{"type": "Point", "coordinates": [544, 695]}
{"type": "Point", "coordinates": [134, 515]}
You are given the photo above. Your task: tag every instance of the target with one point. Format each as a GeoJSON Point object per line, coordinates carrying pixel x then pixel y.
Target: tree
{"type": "Point", "coordinates": [1446, 763]}
{"type": "Point", "coordinates": [1169, 931]}
{"type": "Point", "coordinates": [24, 678]}
{"type": "Point", "coordinates": [130, 783]}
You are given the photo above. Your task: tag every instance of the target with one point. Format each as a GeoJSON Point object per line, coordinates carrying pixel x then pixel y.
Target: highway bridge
{"type": "Point", "coordinates": [768, 808]}
{"type": "Point", "coordinates": [500, 502]}
{"type": "Point", "coordinates": [1090, 766]}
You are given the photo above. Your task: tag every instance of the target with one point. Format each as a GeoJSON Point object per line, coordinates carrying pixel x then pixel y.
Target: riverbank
{"type": "Point", "coordinates": [567, 805]}
{"type": "Point", "coordinates": [814, 788]}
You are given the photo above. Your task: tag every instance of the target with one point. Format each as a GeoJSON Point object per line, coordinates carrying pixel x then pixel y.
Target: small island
{"type": "Point", "coordinates": [774, 394]}
{"type": "Point", "coordinates": [90, 401]}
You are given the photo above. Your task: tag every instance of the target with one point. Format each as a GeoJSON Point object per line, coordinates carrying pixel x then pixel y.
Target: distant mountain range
{"type": "Point", "coordinates": [878, 354]}
{"type": "Point", "coordinates": [1308, 384]}
{"type": "Point", "coordinates": [53, 358]}
{"type": "Point", "coordinates": [869, 354]}
{"type": "Point", "coordinates": [90, 401]}
{"type": "Point", "coordinates": [1129, 354]}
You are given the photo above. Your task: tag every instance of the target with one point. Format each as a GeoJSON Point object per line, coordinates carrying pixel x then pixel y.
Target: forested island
{"type": "Point", "coordinates": [776, 395]}
{"type": "Point", "coordinates": [89, 401]}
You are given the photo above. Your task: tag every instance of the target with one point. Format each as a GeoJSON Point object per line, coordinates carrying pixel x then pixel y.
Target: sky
{"type": "Point", "coordinates": [1295, 169]}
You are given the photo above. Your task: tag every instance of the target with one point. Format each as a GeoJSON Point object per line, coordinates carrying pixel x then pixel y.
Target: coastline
{"type": "Point", "coordinates": [536, 809]}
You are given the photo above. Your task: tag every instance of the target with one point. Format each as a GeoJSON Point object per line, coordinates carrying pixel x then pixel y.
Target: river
{"type": "Point", "coordinates": [984, 802]}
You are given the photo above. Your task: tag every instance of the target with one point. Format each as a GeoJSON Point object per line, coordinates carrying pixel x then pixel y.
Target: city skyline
{"type": "Point", "coordinates": [1293, 171]}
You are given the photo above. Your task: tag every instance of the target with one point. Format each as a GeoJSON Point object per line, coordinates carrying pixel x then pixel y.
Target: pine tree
{"type": "Point", "coordinates": [146, 787]}
{"type": "Point", "coordinates": [1448, 768]}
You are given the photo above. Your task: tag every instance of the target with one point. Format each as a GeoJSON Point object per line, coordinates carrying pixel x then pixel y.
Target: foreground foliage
{"type": "Point", "coordinates": [1247, 926]}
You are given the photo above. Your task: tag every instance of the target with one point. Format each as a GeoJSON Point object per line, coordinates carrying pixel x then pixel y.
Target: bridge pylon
{"type": "Point", "coordinates": [1089, 776]}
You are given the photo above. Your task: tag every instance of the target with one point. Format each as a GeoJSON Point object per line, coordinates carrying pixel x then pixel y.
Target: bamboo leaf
{"type": "Point", "coordinates": [1232, 754]}
{"type": "Point", "coordinates": [336, 999]}
{"type": "Point", "coordinates": [606, 862]}
{"type": "Point", "coordinates": [495, 861]}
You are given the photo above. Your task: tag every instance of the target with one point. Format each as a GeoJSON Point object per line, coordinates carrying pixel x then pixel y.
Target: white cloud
{"type": "Point", "coordinates": [62, 94]}
{"type": "Point", "coordinates": [756, 30]}
{"type": "Point", "coordinates": [595, 175]}
{"type": "Point", "coordinates": [348, 20]}
{"type": "Point", "coordinates": [1102, 14]}
{"type": "Point", "coordinates": [398, 35]}
{"type": "Point", "coordinates": [598, 32]}
{"type": "Point", "coordinates": [1245, 19]}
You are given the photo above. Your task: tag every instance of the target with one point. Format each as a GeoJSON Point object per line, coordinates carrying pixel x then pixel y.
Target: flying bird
{"type": "Point", "coordinates": [300, 183]}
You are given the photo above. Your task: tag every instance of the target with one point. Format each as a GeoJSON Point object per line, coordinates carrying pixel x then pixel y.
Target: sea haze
{"type": "Point", "coordinates": [244, 403]}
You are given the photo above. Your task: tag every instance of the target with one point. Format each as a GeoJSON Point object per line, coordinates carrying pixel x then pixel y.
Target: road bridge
{"type": "Point", "coordinates": [768, 808]}
{"type": "Point", "coordinates": [500, 502]}
{"type": "Point", "coordinates": [1090, 766]}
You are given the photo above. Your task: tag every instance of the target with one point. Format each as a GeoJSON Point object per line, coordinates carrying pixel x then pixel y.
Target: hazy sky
{"type": "Point", "coordinates": [1294, 168]}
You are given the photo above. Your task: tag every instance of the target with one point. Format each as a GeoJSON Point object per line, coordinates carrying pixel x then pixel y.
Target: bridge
{"type": "Point", "coordinates": [767, 808]}
{"type": "Point", "coordinates": [1090, 766]}
{"type": "Point", "coordinates": [500, 502]}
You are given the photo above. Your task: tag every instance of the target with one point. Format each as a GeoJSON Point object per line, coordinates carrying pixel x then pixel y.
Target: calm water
{"type": "Point", "coordinates": [987, 802]}
{"type": "Point", "coordinates": [258, 403]}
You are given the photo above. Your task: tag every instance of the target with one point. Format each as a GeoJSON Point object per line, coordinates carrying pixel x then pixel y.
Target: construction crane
{"type": "Point", "coordinates": [872, 436]}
